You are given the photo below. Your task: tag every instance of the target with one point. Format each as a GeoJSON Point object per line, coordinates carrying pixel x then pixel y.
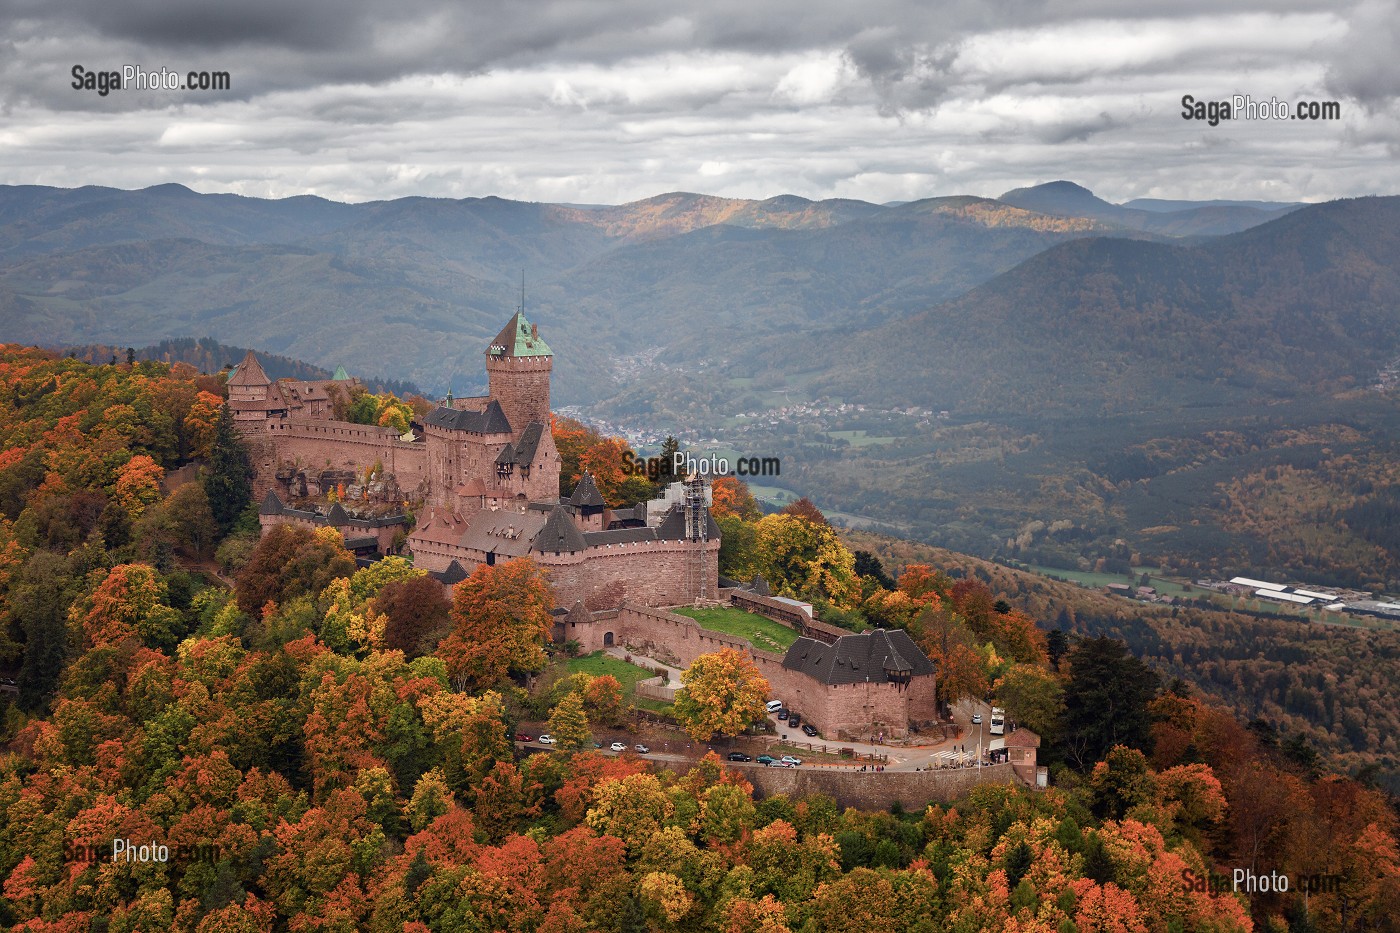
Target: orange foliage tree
{"type": "Point", "coordinates": [501, 620]}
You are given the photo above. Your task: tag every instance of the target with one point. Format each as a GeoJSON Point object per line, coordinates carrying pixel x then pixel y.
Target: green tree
{"type": "Point", "coordinates": [568, 724]}
{"type": "Point", "coordinates": [40, 601]}
{"type": "Point", "coordinates": [1034, 698]}
{"type": "Point", "coordinates": [228, 482]}
{"type": "Point", "coordinates": [1106, 701]}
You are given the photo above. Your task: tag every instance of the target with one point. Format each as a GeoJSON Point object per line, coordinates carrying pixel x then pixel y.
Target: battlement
{"type": "Point", "coordinates": [538, 364]}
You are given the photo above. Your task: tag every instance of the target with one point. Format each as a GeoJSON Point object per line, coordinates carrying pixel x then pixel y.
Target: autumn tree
{"type": "Point", "coordinates": [605, 461]}
{"type": "Point", "coordinates": [138, 485]}
{"type": "Point", "coordinates": [806, 510]}
{"type": "Point", "coordinates": [806, 559]}
{"type": "Point", "coordinates": [730, 496]}
{"type": "Point", "coordinates": [202, 424]}
{"type": "Point", "coordinates": [290, 561]}
{"type": "Point", "coordinates": [501, 620]}
{"type": "Point", "coordinates": [602, 700]}
{"type": "Point", "coordinates": [945, 638]}
{"type": "Point", "coordinates": [418, 615]}
{"type": "Point", "coordinates": [568, 724]}
{"type": "Point", "coordinates": [130, 603]}
{"type": "Point", "coordinates": [571, 438]}
{"type": "Point", "coordinates": [723, 693]}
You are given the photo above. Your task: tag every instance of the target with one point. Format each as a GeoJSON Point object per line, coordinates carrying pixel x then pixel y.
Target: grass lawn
{"type": "Point", "coordinates": [599, 663]}
{"type": "Point", "coordinates": [628, 675]}
{"type": "Point", "coordinates": [760, 632]}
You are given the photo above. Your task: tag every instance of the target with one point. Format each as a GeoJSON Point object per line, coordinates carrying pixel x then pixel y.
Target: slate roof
{"type": "Point", "coordinates": [618, 536]}
{"type": "Point", "coordinates": [559, 534]}
{"type": "Point", "coordinates": [529, 443]}
{"type": "Point", "coordinates": [249, 373]}
{"type": "Point", "coordinates": [455, 573]}
{"type": "Point", "coordinates": [519, 338]}
{"type": "Point", "coordinates": [672, 527]}
{"type": "Point", "coordinates": [508, 534]}
{"type": "Point", "coordinates": [491, 421]}
{"type": "Point", "coordinates": [853, 659]}
{"type": "Point", "coordinates": [507, 455]}
{"type": "Point", "coordinates": [586, 494]}
{"type": "Point", "coordinates": [272, 504]}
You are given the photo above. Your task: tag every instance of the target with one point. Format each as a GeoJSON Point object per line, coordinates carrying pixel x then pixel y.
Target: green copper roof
{"type": "Point", "coordinates": [340, 373]}
{"type": "Point", "coordinates": [519, 338]}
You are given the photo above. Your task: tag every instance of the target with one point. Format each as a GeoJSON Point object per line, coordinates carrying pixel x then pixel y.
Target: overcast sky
{"type": "Point", "coordinates": [604, 101]}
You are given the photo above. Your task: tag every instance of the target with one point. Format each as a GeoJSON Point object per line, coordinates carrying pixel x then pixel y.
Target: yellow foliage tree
{"type": "Point", "coordinates": [723, 694]}
{"type": "Point", "coordinates": [806, 559]}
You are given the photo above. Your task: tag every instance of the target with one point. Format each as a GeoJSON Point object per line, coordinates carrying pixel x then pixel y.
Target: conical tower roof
{"type": "Point", "coordinates": [249, 373]}
{"type": "Point", "coordinates": [586, 493]}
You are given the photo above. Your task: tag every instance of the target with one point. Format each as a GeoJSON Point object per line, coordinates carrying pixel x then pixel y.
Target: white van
{"type": "Point", "coordinates": [774, 705]}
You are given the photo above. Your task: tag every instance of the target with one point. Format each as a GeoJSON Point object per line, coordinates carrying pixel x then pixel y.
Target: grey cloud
{"type": "Point", "coordinates": [1364, 66]}
{"type": "Point", "coordinates": [1075, 130]}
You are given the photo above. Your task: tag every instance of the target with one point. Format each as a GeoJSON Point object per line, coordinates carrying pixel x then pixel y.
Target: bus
{"type": "Point", "coordinates": [998, 726]}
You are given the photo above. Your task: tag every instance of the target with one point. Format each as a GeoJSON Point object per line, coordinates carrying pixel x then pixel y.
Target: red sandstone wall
{"type": "Point", "coordinates": [852, 709]}
{"type": "Point", "coordinates": [343, 446]}
{"type": "Point", "coordinates": [653, 574]}
{"type": "Point", "coordinates": [521, 385]}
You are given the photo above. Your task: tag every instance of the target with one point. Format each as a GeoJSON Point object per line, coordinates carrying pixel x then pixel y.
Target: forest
{"type": "Point", "coordinates": [324, 747]}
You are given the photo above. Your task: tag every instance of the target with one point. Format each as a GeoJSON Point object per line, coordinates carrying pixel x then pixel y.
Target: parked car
{"type": "Point", "coordinates": [794, 720]}
{"type": "Point", "coordinates": [810, 729]}
{"type": "Point", "coordinates": [774, 705]}
{"type": "Point", "coordinates": [641, 749]}
{"type": "Point", "coordinates": [522, 737]}
{"type": "Point", "coordinates": [766, 759]}
{"type": "Point", "coordinates": [739, 756]}
{"type": "Point", "coordinates": [597, 744]}
{"type": "Point", "coordinates": [545, 740]}
{"type": "Point", "coordinates": [782, 714]}
{"type": "Point", "coordinates": [617, 747]}
{"type": "Point", "coordinates": [790, 761]}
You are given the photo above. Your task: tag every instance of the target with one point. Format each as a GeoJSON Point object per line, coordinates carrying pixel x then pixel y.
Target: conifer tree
{"type": "Point", "coordinates": [228, 484]}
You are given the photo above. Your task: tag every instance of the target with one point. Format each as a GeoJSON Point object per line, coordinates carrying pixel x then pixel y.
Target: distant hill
{"type": "Point", "coordinates": [415, 286]}
{"type": "Point", "coordinates": [1167, 206]}
{"type": "Point", "coordinates": [1168, 218]}
{"type": "Point", "coordinates": [1309, 303]}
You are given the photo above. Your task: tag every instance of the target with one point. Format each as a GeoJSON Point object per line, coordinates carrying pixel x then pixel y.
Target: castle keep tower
{"type": "Point", "coordinates": [518, 367]}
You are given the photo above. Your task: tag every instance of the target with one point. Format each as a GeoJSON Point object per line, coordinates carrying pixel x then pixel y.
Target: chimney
{"type": "Point", "coordinates": [534, 332]}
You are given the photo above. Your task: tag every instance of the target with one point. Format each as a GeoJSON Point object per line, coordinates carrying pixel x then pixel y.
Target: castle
{"type": "Point", "coordinates": [483, 475]}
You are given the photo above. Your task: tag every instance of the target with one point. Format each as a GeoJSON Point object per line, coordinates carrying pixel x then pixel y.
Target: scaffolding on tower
{"type": "Point", "coordinates": [697, 531]}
